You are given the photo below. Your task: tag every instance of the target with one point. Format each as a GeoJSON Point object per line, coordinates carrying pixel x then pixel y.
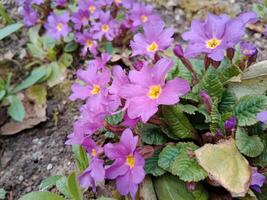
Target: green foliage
{"type": "Point", "coordinates": [250, 146]}
{"type": "Point", "coordinates": [227, 102]}
{"type": "Point", "coordinates": [9, 29]}
{"type": "Point", "coordinates": [2, 193]}
{"type": "Point", "coordinates": [115, 119]}
{"type": "Point", "coordinates": [73, 187]}
{"type": "Point", "coordinates": [261, 10]}
{"type": "Point", "coordinates": [71, 47]}
{"type": "Point", "coordinates": [49, 182]}
{"type": "Point", "coordinates": [215, 116]}
{"type": "Point", "coordinates": [179, 161]}
{"type": "Point", "coordinates": [152, 134]}
{"type": "Point", "coordinates": [187, 108]}
{"type": "Point", "coordinates": [172, 188]}
{"type": "Point", "coordinates": [248, 107]}
{"type": "Point", "coordinates": [151, 165]}
{"type": "Point", "coordinates": [41, 196]}
{"type": "Point", "coordinates": [226, 73]}
{"type": "Point", "coordinates": [16, 109]}
{"type": "Point", "coordinates": [178, 125]}
{"type": "Point", "coordinates": [62, 186]}
{"type": "Point", "coordinates": [80, 157]}
{"type": "Point", "coordinates": [5, 16]}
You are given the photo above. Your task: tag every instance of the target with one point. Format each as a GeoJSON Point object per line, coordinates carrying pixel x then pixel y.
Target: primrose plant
{"type": "Point", "coordinates": [190, 120]}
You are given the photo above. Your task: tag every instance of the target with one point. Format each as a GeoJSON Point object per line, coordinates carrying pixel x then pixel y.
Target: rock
{"type": "Point", "coordinates": [49, 166]}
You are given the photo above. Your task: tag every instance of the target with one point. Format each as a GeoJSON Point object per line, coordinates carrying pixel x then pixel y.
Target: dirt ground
{"type": "Point", "coordinates": [32, 155]}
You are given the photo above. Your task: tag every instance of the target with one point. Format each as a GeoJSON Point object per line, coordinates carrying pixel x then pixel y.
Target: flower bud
{"type": "Point", "coordinates": [230, 52]}
{"type": "Point", "coordinates": [178, 51]}
{"type": "Point", "coordinates": [191, 186]}
{"type": "Point", "coordinates": [206, 100]}
{"type": "Point", "coordinates": [229, 125]}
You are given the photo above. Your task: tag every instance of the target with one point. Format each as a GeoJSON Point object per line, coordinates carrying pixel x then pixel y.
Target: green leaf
{"type": "Point", "coordinates": [36, 75]}
{"type": "Point", "coordinates": [73, 187]}
{"type": "Point", "coordinates": [178, 126]}
{"type": "Point", "coordinates": [57, 74]}
{"type": "Point", "coordinates": [188, 108]}
{"type": "Point", "coordinates": [248, 107]}
{"type": "Point", "coordinates": [227, 102]}
{"type": "Point", "coordinates": [41, 196]}
{"type": "Point", "coordinates": [261, 160]}
{"type": "Point", "coordinates": [2, 193]}
{"type": "Point", "coordinates": [250, 146]}
{"type": "Point", "coordinates": [151, 165]}
{"type": "Point", "coordinates": [62, 187]}
{"type": "Point", "coordinates": [2, 94]}
{"type": "Point", "coordinates": [9, 29]}
{"type": "Point", "coordinates": [38, 94]}
{"type": "Point", "coordinates": [16, 109]}
{"type": "Point", "coordinates": [47, 42]}
{"type": "Point", "coordinates": [167, 156]}
{"type": "Point", "coordinates": [152, 134]}
{"type": "Point", "coordinates": [226, 73]}
{"type": "Point", "coordinates": [80, 157]}
{"type": "Point", "coordinates": [169, 187]}
{"type": "Point", "coordinates": [115, 119]}
{"type": "Point", "coordinates": [71, 47]}
{"type": "Point", "coordinates": [5, 15]}
{"type": "Point", "coordinates": [261, 10]}
{"type": "Point", "coordinates": [215, 116]}
{"type": "Point", "coordinates": [226, 165]}
{"type": "Point", "coordinates": [185, 165]}
{"type": "Point", "coordinates": [109, 47]}
{"type": "Point", "coordinates": [65, 60]}
{"type": "Point", "coordinates": [36, 50]}
{"type": "Point", "coordinates": [49, 182]}
{"type": "Point", "coordinates": [34, 34]}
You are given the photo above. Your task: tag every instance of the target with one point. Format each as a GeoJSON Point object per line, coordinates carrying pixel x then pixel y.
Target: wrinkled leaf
{"type": "Point", "coordinates": [115, 119]}
{"type": "Point", "coordinates": [49, 182]}
{"type": "Point", "coordinates": [152, 134]}
{"type": "Point", "coordinates": [41, 196]}
{"type": "Point", "coordinates": [62, 187]}
{"type": "Point", "coordinates": [151, 165]}
{"type": "Point", "coordinates": [250, 146]}
{"type": "Point", "coordinates": [71, 46]}
{"type": "Point", "coordinates": [226, 166]}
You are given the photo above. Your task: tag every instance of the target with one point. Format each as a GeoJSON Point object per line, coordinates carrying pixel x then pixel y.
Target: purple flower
{"type": "Point", "coordinates": [248, 49]}
{"type": "Point", "coordinates": [91, 147]}
{"type": "Point", "coordinates": [216, 34]}
{"type": "Point", "coordinates": [257, 181]}
{"type": "Point", "coordinates": [147, 90]}
{"type": "Point", "coordinates": [30, 16]}
{"type": "Point", "coordinates": [89, 44]}
{"type": "Point", "coordinates": [57, 26]}
{"type": "Point", "coordinates": [178, 51]}
{"type": "Point", "coordinates": [95, 85]}
{"type": "Point", "coordinates": [128, 167]}
{"type": "Point", "coordinates": [262, 117]}
{"type": "Point", "coordinates": [265, 32]}
{"type": "Point", "coordinates": [119, 79]}
{"type": "Point", "coordinates": [141, 14]}
{"type": "Point", "coordinates": [93, 174]}
{"type": "Point", "coordinates": [106, 27]}
{"type": "Point", "coordinates": [78, 134]}
{"type": "Point", "coordinates": [124, 3]}
{"type": "Point", "coordinates": [38, 2]}
{"type": "Point", "coordinates": [90, 5]}
{"type": "Point", "coordinates": [230, 124]}
{"type": "Point", "coordinates": [100, 62]}
{"type": "Point", "coordinates": [61, 3]}
{"type": "Point", "coordinates": [80, 19]}
{"type": "Point", "coordinates": [206, 100]}
{"type": "Point", "coordinates": [128, 122]}
{"type": "Point", "coordinates": [155, 38]}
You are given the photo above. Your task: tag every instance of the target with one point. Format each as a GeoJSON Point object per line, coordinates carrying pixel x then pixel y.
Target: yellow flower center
{"type": "Point", "coordinates": [94, 152]}
{"type": "Point", "coordinates": [105, 28]}
{"type": "Point", "coordinates": [59, 26]}
{"type": "Point", "coordinates": [89, 43]}
{"type": "Point", "coordinates": [91, 9]}
{"type": "Point", "coordinates": [245, 51]}
{"type": "Point", "coordinates": [130, 160]}
{"type": "Point", "coordinates": [154, 92]}
{"type": "Point", "coordinates": [153, 47]}
{"type": "Point", "coordinates": [144, 18]}
{"type": "Point", "coordinates": [118, 1]}
{"type": "Point", "coordinates": [213, 43]}
{"type": "Point", "coordinates": [95, 90]}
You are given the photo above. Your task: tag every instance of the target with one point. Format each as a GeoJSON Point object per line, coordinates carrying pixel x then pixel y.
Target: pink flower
{"type": "Point", "coordinates": [147, 90]}
{"type": "Point", "coordinates": [100, 62]}
{"type": "Point", "coordinates": [155, 38]}
{"type": "Point", "coordinates": [89, 44]}
{"type": "Point", "coordinates": [128, 167]}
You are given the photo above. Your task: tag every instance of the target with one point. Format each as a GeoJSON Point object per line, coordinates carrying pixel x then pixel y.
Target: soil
{"type": "Point", "coordinates": [32, 155]}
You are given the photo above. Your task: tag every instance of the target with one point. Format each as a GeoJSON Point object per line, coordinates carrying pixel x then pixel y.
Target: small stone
{"type": "Point", "coordinates": [21, 178]}
{"type": "Point", "coordinates": [49, 166]}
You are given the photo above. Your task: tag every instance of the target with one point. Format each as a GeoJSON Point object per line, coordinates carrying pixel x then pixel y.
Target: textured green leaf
{"type": "Point", "coordinates": [261, 160]}
{"type": "Point", "coordinates": [2, 193]}
{"type": "Point", "coordinates": [36, 50]}
{"type": "Point", "coordinates": [80, 157]}
{"type": "Point", "coordinates": [73, 187]}
{"type": "Point", "coordinates": [178, 126]}
{"type": "Point", "coordinates": [71, 46]}
{"type": "Point", "coordinates": [185, 165]}
{"type": "Point", "coordinates": [151, 165]}
{"type": "Point", "coordinates": [49, 182]}
{"type": "Point", "coordinates": [167, 156]}
{"type": "Point", "coordinates": [227, 102]}
{"type": "Point", "coordinates": [248, 107]}
{"type": "Point", "coordinates": [62, 186]}
{"type": "Point", "coordinates": [188, 108]}
{"type": "Point", "coordinates": [215, 116]}
{"type": "Point", "coordinates": [226, 165]}
{"type": "Point", "coordinates": [9, 29]}
{"type": "Point", "coordinates": [16, 109]}
{"type": "Point", "coordinates": [227, 73]}
{"type": "Point", "coordinates": [169, 187]}
{"type": "Point", "coordinates": [41, 196]}
{"type": "Point", "coordinates": [250, 146]}
{"type": "Point", "coordinates": [152, 134]}
{"type": "Point", "coordinates": [65, 60]}
{"type": "Point", "coordinates": [47, 42]}
{"type": "Point", "coordinates": [2, 94]}
{"type": "Point", "coordinates": [115, 119]}
{"type": "Point", "coordinates": [36, 75]}
{"type": "Point", "coordinates": [57, 74]}
{"type": "Point", "coordinates": [38, 94]}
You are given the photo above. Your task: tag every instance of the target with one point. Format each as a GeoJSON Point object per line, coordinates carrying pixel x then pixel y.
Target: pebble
{"type": "Point", "coordinates": [21, 178]}
{"type": "Point", "coordinates": [49, 166]}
